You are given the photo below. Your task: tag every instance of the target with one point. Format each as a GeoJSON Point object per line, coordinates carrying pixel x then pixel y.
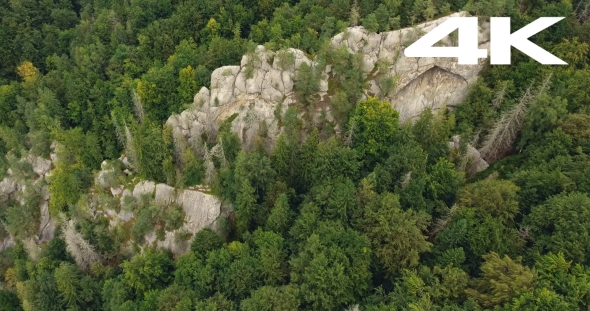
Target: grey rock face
{"type": "Point", "coordinates": [201, 209]}
{"type": "Point", "coordinates": [249, 94]}
{"type": "Point", "coordinates": [7, 187]}
{"type": "Point", "coordinates": [164, 194]}
{"type": "Point", "coordinates": [144, 188]}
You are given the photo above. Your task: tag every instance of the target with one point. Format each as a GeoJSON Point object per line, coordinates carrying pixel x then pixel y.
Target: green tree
{"type": "Point", "coordinates": [272, 255]}
{"type": "Point", "coordinates": [307, 83]}
{"type": "Point", "coordinates": [194, 170]}
{"type": "Point", "coordinates": [150, 270]}
{"type": "Point", "coordinates": [560, 225]}
{"type": "Point", "coordinates": [443, 181]}
{"type": "Point", "coordinates": [375, 123]}
{"type": "Point", "coordinates": [217, 302]}
{"type": "Point", "coordinates": [205, 241]}
{"type": "Point", "coordinates": [67, 278]}
{"type": "Point", "coordinates": [281, 216]}
{"type": "Point", "coordinates": [9, 301]}
{"type": "Point", "coordinates": [188, 85]}
{"type": "Point", "coordinates": [269, 298]}
{"type": "Point", "coordinates": [495, 197]}
{"type": "Point", "coordinates": [191, 271]}
{"type": "Point", "coordinates": [245, 206]}
{"type": "Point", "coordinates": [150, 151]}
{"type": "Point", "coordinates": [396, 236]}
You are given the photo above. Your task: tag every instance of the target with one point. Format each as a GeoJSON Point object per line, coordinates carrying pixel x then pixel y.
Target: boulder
{"type": "Point", "coordinates": [40, 166]}
{"type": "Point", "coordinates": [200, 209]}
{"type": "Point", "coordinates": [7, 187]}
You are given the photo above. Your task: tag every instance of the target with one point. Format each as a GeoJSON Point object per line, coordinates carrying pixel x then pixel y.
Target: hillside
{"type": "Point", "coordinates": [286, 155]}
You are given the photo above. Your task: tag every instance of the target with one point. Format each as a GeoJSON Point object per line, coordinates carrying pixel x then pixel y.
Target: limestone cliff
{"type": "Point", "coordinates": [250, 93]}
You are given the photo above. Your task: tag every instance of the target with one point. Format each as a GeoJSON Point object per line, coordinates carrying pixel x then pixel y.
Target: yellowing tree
{"type": "Point", "coordinates": [502, 279]}
{"type": "Point", "coordinates": [188, 85]}
{"type": "Point", "coordinates": [27, 71]}
{"type": "Point", "coordinates": [213, 26]}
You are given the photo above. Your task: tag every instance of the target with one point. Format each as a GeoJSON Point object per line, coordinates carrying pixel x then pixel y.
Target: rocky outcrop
{"type": "Point", "coordinates": [13, 187]}
{"type": "Point", "coordinates": [251, 94]}
{"type": "Point", "coordinates": [200, 209]}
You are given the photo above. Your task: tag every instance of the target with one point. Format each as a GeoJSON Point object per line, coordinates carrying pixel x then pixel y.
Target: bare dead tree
{"type": "Point", "coordinates": [129, 146]}
{"type": "Point", "coordinates": [118, 131]}
{"type": "Point", "coordinates": [125, 137]}
{"type": "Point", "coordinates": [32, 249]}
{"type": "Point", "coordinates": [475, 138]}
{"type": "Point", "coordinates": [83, 253]}
{"type": "Point", "coordinates": [353, 308]}
{"type": "Point", "coordinates": [582, 11]}
{"type": "Point", "coordinates": [499, 98]}
{"type": "Point", "coordinates": [407, 179]}
{"type": "Point", "coordinates": [209, 166]}
{"type": "Point", "coordinates": [443, 222]}
{"type": "Point", "coordinates": [350, 134]}
{"type": "Point", "coordinates": [180, 146]}
{"type": "Point", "coordinates": [524, 232]}
{"type": "Point", "coordinates": [138, 107]}
{"type": "Point", "coordinates": [505, 131]}
{"type": "Point", "coordinates": [221, 153]}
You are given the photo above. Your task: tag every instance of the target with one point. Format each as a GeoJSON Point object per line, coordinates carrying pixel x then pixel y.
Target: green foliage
{"type": "Point", "coordinates": [192, 272]}
{"type": "Point", "coordinates": [269, 298]}
{"type": "Point", "coordinates": [502, 279]}
{"type": "Point", "coordinates": [370, 23]}
{"type": "Point", "coordinates": [497, 198]}
{"type": "Point", "coordinates": [396, 236]}
{"type": "Point", "coordinates": [205, 240]}
{"type": "Point", "coordinates": [150, 270]}
{"type": "Point", "coordinates": [194, 171]}
{"type": "Point", "coordinates": [22, 220]}
{"type": "Point", "coordinates": [307, 83]}
{"type": "Point", "coordinates": [9, 301]}
{"type": "Point", "coordinates": [281, 216]}
{"type": "Point", "coordinates": [150, 151]}
{"type": "Point", "coordinates": [559, 225]}
{"type": "Point", "coordinates": [443, 181]}
{"type": "Point", "coordinates": [332, 270]}
{"type": "Point", "coordinates": [174, 217]}
{"type": "Point", "coordinates": [374, 126]}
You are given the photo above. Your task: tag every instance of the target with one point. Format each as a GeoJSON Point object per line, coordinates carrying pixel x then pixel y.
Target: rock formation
{"type": "Point", "coordinates": [250, 93]}
{"type": "Point", "coordinates": [200, 209]}
{"type": "Point", "coordinates": [12, 188]}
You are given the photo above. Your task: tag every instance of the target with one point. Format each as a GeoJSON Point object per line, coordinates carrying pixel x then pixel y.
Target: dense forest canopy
{"type": "Point", "coordinates": [390, 219]}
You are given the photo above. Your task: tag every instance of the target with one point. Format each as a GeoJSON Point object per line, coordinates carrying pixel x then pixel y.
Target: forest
{"type": "Point", "coordinates": [391, 219]}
